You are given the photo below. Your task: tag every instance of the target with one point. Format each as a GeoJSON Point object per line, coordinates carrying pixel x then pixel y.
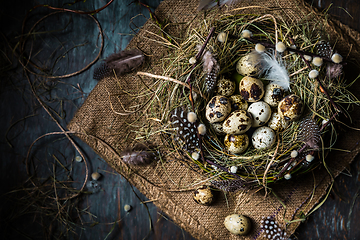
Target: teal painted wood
{"type": "Point", "coordinates": [336, 219]}
{"type": "Point", "coordinates": [78, 37]}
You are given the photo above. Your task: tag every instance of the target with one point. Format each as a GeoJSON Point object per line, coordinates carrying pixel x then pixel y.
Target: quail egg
{"type": "Point", "coordinates": [238, 122]}
{"type": "Point", "coordinates": [237, 224]}
{"type": "Point", "coordinates": [218, 128]}
{"type": "Point", "coordinates": [236, 143]}
{"type": "Point", "coordinates": [263, 138]}
{"type": "Point", "coordinates": [251, 89]}
{"type": "Point", "coordinates": [217, 109]}
{"type": "Point", "coordinates": [261, 113]}
{"type": "Point", "coordinates": [203, 195]}
{"type": "Point", "coordinates": [290, 107]}
{"type": "Point", "coordinates": [277, 123]}
{"type": "Point", "coordinates": [225, 87]}
{"type": "Point", "coordinates": [273, 94]}
{"type": "Point", "coordinates": [238, 103]}
{"type": "Point", "coordinates": [249, 65]}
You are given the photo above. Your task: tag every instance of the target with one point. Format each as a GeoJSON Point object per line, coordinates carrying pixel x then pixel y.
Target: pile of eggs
{"type": "Point", "coordinates": [264, 110]}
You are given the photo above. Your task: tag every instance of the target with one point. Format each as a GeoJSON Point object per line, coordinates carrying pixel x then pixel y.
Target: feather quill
{"type": "Point", "coordinates": [119, 63]}
{"type": "Point", "coordinates": [125, 61]}
{"type": "Point", "coordinates": [274, 70]}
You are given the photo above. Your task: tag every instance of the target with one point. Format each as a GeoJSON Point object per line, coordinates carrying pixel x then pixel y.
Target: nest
{"type": "Point", "coordinates": [186, 86]}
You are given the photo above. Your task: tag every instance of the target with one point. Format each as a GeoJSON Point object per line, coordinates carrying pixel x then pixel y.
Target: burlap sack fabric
{"type": "Point", "coordinates": [108, 133]}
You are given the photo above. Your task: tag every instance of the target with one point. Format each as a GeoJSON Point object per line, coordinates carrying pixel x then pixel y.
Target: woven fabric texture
{"type": "Point", "coordinates": [107, 133]}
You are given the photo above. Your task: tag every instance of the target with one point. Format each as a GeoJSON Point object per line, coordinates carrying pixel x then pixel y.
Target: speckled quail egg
{"type": "Point", "coordinates": [217, 109]}
{"type": "Point", "coordinates": [237, 224]}
{"type": "Point", "coordinates": [225, 87]}
{"type": "Point", "coordinates": [236, 143]}
{"type": "Point", "coordinates": [277, 123]}
{"type": "Point", "coordinates": [238, 122]}
{"type": "Point", "coordinates": [251, 89]}
{"type": "Point", "coordinates": [203, 195]}
{"type": "Point", "coordinates": [218, 128]}
{"type": "Point", "coordinates": [273, 94]}
{"type": "Point", "coordinates": [261, 113]}
{"type": "Point", "coordinates": [249, 65]}
{"type": "Point", "coordinates": [238, 103]}
{"type": "Point", "coordinates": [263, 138]}
{"type": "Point", "coordinates": [290, 107]}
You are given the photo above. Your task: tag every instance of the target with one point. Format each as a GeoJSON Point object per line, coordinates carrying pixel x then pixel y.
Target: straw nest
{"type": "Point", "coordinates": [184, 84]}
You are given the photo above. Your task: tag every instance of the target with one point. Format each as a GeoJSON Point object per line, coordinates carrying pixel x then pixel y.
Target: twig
{"type": "Point", "coordinates": [171, 80]}
{"type": "Point", "coordinates": [270, 45]}
{"type": "Point", "coordinates": [198, 56]}
{"type": "Point", "coordinates": [62, 76]}
{"type": "Point", "coordinates": [73, 11]}
{"type": "Point", "coordinates": [64, 132]}
{"type": "Point", "coordinates": [222, 168]}
{"type": "Point", "coordinates": [322, 88]}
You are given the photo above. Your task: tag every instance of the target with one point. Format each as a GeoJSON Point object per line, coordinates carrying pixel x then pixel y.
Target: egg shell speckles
{"type": "Point", "coordinates": [225, 87]}
{"type": "Point", "coordinates": [277, 123]}
{"type": "Point", "coordinates": [237, 224]}
{"type": "Point", "coordinates": [203, 195]}
{"type": "Point", "coordinates": [273, 94]}
{"type": "Point", "coordinates": [238, 122]}
{"type": "Point", "coordinates": [236, 143]}
{"type": "Point", "coordinates": [249, 65]}
{"type": "Point", "coordinates": [291, 107]}
{"type": "Point", "coordinates": [263, 138]}
{"type": "Point", "coordinates": [218, 128]}
{"type": "Point", "coordinates": [261, 113]}
{"type": "Point", "coordinates": [217, 109]}
{"type": "Point", "coordinates": [251, 89]}
{"type": "Point", "coordinates": [238, 103]}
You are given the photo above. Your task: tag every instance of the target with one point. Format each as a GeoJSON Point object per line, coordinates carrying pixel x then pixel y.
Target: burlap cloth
{"type": "Point", "coordinates": [161, 181]}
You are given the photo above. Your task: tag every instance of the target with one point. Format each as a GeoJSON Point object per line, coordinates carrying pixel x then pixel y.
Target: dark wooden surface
{"type": "Point", "coordinates": [23, 120]}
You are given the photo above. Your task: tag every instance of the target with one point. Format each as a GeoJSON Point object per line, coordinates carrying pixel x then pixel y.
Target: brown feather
{"type": "Point", "coordinates": [138, 155]}
{"type": "Point", "coordinates": [125, 61]}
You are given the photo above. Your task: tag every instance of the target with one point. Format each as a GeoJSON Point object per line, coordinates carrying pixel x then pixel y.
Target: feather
{"type": "Point", "coordinates": [324, 49]}
{"type": "Point", "coordinates": [207, 4]}
{"type": "Point", "coordinates": [125, 61]}
{"type": "Point", "coordinates": [102, 72]}
{"type": "Point", "coordinates": [137, 155]}
{"type": "Point", "coordinates": [309, 133]}
{"type": "Point", "coordinates": [274, 70]}
{"type": "Point", "coordinates": [186, 130]}
{"type": "Point", "coordinates": [333, 70]}
{"type": "Point", "coordinates": [231, 185]}
{"type": "Point", "coordinates": [211, 68]}
{"type": "Point", "coordinates": [272, 230]}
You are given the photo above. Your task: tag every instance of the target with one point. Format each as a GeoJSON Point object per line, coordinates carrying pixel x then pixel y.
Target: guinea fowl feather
{"type": "Point", "coordinates": [211, 68]}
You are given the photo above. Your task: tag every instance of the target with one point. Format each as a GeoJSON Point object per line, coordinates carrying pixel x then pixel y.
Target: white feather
{"type": "Point", "coordinates": [274, 70]}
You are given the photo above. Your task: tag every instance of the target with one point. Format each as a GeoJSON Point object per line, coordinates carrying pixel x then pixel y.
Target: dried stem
{"type": "Point", "coordinates": [171, 80]}
{"type": "Point", "coordinates": [322, 88]}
